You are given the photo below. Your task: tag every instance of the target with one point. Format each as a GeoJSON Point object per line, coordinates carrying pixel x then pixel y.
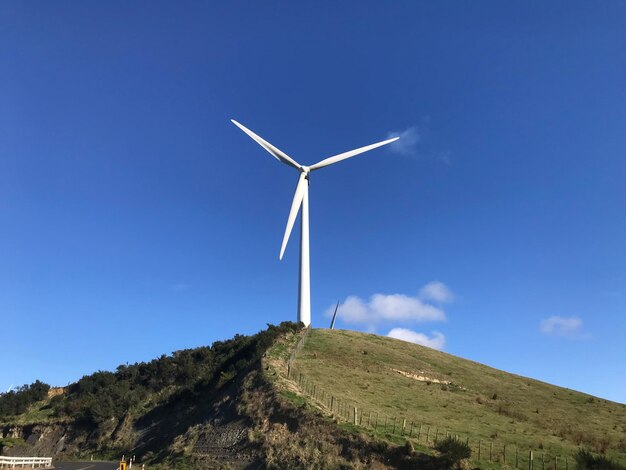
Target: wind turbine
{"type": "Point", "coordinates": [301, 198]}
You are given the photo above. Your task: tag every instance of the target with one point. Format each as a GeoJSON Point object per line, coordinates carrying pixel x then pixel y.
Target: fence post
{"type": "Point", "coordinates": [504, 454]}
{"type": "Point", "coordinates": [566, 463]}
{"type": "Point", "coordinates": [516, 457]}
{"type": "Point", "coordinates": [480, 445]}
{"type": "Point", "coordinates": [490, 450]}
{"type": "Point", "coordinates": [556, 462]}
{"type": "Point", "coordinates": [376, 425]}
{"type": "Point", "coordinates": [394, 425]}
{"type": "Point", "coordinates": [411, 432]}
{"type": "Point", "coordinates": [403, 425]}
{"type": "Point", "coordinates": [332, 402]}
{"type": "Point", "coordinates": [355, 417]}
{"type": "Point", "coordinates": [385, 428]}
{"type": "Point", "coordinates": [369, 420]}
{"type": "Point", "coordinates": [427, 434]}
{"type": "Point", "coordinates": [419, 432]}
{"type": "Point", "coordinates": [530, 460]}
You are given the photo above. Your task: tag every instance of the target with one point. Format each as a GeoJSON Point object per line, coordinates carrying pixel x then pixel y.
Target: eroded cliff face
{"type": "Point", "coordinates": [67, 438]}
{"type": "Point", "coordinates": [41, 440]}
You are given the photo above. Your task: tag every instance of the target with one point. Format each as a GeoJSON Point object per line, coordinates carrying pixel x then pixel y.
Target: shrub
{"type": "Point", "coordinates": [17, 401]}
{"type": "Point", "coordinates": [408, 448]}
{"type": "Point", "coordinates": [585, 460]}
{"type": "Point", "coordinates": [452, 452]}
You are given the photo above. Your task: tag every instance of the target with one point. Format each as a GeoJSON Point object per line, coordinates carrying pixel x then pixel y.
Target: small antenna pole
{"type": "Point", "coordinates": [332, 323]}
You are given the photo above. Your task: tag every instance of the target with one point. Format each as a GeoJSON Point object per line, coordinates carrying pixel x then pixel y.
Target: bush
{"type": "Point", "coordinates": [452, 451]}
{"type": "Point", "coordinates": [17, 401]}
{"type": "Point", "coordinates": [408, 448]}
{"type": "Point", "coordinates": [585, 460]}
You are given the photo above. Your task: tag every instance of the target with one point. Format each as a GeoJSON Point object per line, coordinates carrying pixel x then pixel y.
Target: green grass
{"type": "Point", "coordinates": [39, 412]}
{"type": "Point", "coordinates": [9, 442]}
{"type": "Point", "coordinates": [479, 402]}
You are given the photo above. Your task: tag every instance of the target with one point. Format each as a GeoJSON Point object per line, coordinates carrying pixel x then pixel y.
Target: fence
{"type": "Point", "coordinates": [422, 433]}
{"type": "Point", "coordinates": [25, 462]}
{"type": "Point", "coordinates": [299, 345]}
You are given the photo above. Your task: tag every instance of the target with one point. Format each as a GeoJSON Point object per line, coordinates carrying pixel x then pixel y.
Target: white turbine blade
{"type": "Point", "coordinates": [277, 153]}
{"type": "Point", "coordinates": [351, 153]}
{"type": "Point", "coordinates": [293, 212]}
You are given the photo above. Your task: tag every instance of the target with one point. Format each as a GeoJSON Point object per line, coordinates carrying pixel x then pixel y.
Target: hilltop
{"type": "Point", "coordinates": [386, 378]}
{"type": "Point", "coordinates": [251, 402]}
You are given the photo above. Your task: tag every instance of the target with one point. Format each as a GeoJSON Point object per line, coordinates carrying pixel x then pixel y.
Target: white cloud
{"type": "Point", "coordinates": [407, 144]}
{"type": "Point", "coordinates": [398, 308]}
{"type": "Point", "coordinates": [562, 326]}
{"type": "Point", "coordinates": [437, 340]}
{"type": "Point", "coordinates": [437, 292]}
{"type": "Point", "coordinates": [387, 307]}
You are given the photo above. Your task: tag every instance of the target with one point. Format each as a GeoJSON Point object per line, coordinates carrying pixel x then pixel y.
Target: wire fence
{"type": "Point", "coordinates": [297, 348]}
{"type": "Point", "coordinates": [483, 450]}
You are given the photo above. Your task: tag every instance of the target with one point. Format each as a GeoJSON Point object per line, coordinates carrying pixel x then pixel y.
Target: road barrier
{"type": "Point", "coordinates": [25, 462]}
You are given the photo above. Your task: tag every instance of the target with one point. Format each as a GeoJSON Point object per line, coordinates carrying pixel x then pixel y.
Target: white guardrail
{"type": "Point", "coordinates": [25, 462]}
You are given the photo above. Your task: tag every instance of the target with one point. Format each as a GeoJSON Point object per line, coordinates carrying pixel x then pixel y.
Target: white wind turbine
{"type": "Point", "coordinates": [301, 198]}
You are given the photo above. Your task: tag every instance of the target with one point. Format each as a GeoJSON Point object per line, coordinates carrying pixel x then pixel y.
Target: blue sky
{"type": "Point", "coordinates": [137, 220]}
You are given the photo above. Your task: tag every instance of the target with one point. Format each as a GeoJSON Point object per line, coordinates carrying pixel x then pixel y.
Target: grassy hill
{"type": "Point", "coordinates": [387, 378]}
{"type": "Point", "coordinates": [240, 403]}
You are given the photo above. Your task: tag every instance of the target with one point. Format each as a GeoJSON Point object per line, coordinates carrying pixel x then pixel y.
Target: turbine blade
{"type": "Point", "coordinates": [277, 153]}
{"type": "Point", "coordinates": [351, 153]}
{"type": "Point", "coordinates": [332, 323]}
{"type": "Point", "coordinates": [293, 212]}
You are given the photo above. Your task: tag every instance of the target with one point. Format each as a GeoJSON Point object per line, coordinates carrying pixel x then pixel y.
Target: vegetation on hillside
{"type": "Point", "coordinates": [104, 395]}
{"type": "Point", "coordinates": [141, 390]}
{"type": "Point", "coordinates": [585, 460]}
{"type": "Point", "coordinates": [452, 452]}
{"type": "Point", "coordinates": [17, 401]}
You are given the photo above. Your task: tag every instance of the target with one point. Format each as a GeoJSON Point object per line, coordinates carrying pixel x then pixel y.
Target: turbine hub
{"type": "Point", "coordinates": [305, 169]}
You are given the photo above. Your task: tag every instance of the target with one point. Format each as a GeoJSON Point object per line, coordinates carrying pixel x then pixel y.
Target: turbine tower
{"type": "Point", "coordinates": [301, 198]}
